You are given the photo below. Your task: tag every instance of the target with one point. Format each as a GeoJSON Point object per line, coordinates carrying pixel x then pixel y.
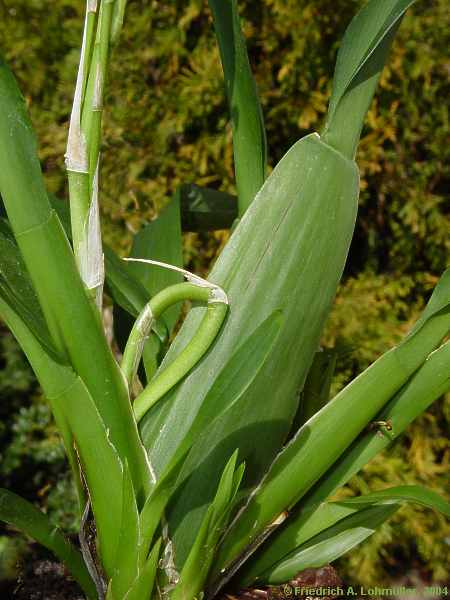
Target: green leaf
{"type": "Point", "coordinates": [142, 587]}
{"type": "Point", "coordinates": [149, 519]}
{"type": "Point", "coordinates": [316, 392]}
{"type": "Point", "coordinates": [27, 518]}
{"type": "Point", "coordinates": [428, 384]}
{"type": "Point", "coordinates": [201, 555]}
{"type": "Point", "coordinates": [17, 290]}
{"type": "Point", "coordinates": [330, 544]}
{"type": "Point", "coordinates": [307, 524]}
{"type": "Point", "coordinates": [214, 435]}
{"type": "Point", "coordinates": [204, 209]}
{"type": "Point", "coordinates": [160, 240]}
{"type": "Point", "coordinates": [52, 377]}
{"type": "Point", "coordinates": [127, 566]}
{"type": "Point", "coordinates": [98, 457]}
{"type": "Point", "coordinates": [262, 269]}
{"type": "Point", "coordinates": [86, 438]}
{"type": "Point", "coordinates": [126, 290]}
{"type": "Point", "coordinates": [128, 294]}
{"type": "Point", "coordinates": [404, 493]}
{"type": "Point", "coordinates": [439, 302]}
{"type": "Point", "coordinates": [249, 136]}
{"type": "Point", "coordinates": [20, 170]}
{"type": "Point", "coordinates": [361, 58]}
{"type": "Point", "coordinates": [323, 439]}
{"type": "Point", "coordinates": [72, 320]}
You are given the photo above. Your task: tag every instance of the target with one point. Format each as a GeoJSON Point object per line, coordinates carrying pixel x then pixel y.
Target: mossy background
{"type": "Point", "coordinates": [167, 123]}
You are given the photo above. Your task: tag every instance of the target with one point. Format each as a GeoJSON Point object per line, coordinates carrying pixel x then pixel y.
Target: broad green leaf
{"type": "Point", "coordinates": [330, 544]}
{"type": "Point", "coordinates": [361, 58]}
{"type": "Point", "coordinates": [214, 435]}
{"type": "Point", "coordinates": [160, 240]}
{"type": "Point", "coordinates": [311, 521]}
{"type": "Point", "coordinates": [249, 136]}
{"type": "Point", "coordinates": [262, 269]}
{"type": "Point", "coordinates": [324, 438]}
{"type": "Point", "coordinates": [204, 209]}
{"type": "Point", "coordinates": [22, 515]}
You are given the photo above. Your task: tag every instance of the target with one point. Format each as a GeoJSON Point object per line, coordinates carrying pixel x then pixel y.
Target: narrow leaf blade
{"type": "Point", "coordinates": [361, 58]}
{"type": "Point", "coordinates": [322, 440]}
{"type": "Point", "coordinates": [330, 544]}
{"type": "Point", "coordinates": [249, 137]}
{"type": "Point", "coordinates": [27, 518]}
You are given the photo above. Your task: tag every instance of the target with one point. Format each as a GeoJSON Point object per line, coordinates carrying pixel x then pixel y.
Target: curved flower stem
{"type": "Point", "coordinates": [144, 323]}
{"type": "Point", "coordinates": [217, 305]}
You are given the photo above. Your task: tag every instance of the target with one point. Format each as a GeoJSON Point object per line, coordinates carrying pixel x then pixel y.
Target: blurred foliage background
{"type": "Point", "coordinates": [167, 123]}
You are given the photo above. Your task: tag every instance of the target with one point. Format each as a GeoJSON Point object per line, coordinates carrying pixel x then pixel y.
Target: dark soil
{"type": "Point", "coordinates": [43, 580]}
{"type": "Point", "coordinates": [48, 580]}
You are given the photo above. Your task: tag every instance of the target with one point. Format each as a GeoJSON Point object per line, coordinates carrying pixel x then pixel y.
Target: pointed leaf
{"type": "Point", "coordinates": [201, 554]}
{"type": "Point", "coordinates": [305, 208]}
{"type": "Point", "coordinates": [321, 441]}
{"type": "Point", "coordinates": [404, 493]}
{"type": "Point", "coordinates": [249, 137]}
{"type": "Point", "coordinates": [310, 522]}
{"type": "Point", "coordinates": [330, 544]}
{"type": "Point", "coordinates": [27, 518]}
{"type": "Point", "coordinates": [428, 384]}
{"type": "Point", "coordinates": [360, 60]}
